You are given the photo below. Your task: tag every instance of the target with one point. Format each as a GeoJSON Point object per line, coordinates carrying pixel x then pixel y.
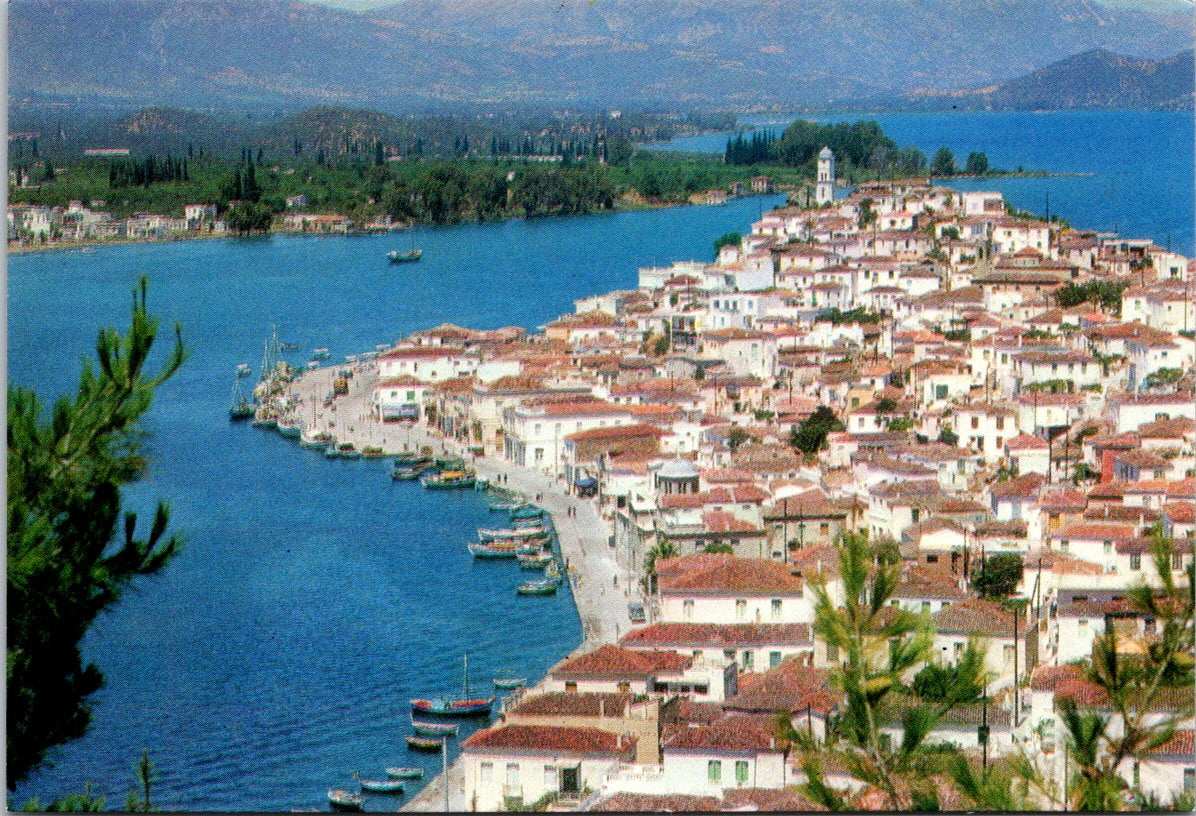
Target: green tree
{"type": "Point", "coordinates": [811, 434]}
{"type": "Point", "coordinates": [943, 163]}
{"type": "Point", "coordinates": [69, 556]}
{"type": "Point", "coordinates": [138, 800]}
{"type": "Point", "coordinates": [948, 437]}
{"type": "Point", "coordinates": [736, 437]}
{"type": "Point", "coordinates": [727, 239]}
{"type": "Point", "coordinates": [249, 216]}
{"type": "Point", "coordinates": [998, 576]}
{"type": "Point", "coordinates": [877, 645]}
{"type": "Point", "coordinates": [977, 164]}
{"type": "Point", "coordinates": [713, 549]}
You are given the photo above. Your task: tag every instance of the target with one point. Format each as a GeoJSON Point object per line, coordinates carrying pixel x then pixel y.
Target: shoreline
{"type": "Point", "coordinates": [600, 587]}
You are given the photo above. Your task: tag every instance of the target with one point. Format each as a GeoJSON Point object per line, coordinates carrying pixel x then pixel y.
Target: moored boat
{"type": "Point", "coordinates": [488, 550]}
{"type": "Point", "coordinates": [372, 452]}
{"type": "Point", "coordinates": [526, 511]}
{"type": "Point", "coordinates": [449, 479]}
{"type": "Point", "coordinates": [465, 705]}
{"type": "Point", "coordinates": [381, 785]}
{"type": "Point", "coordinates": [508, 682]}
{"type": "Point", "coordinates": [431, 729]}
{"type": "Point", "coordinates": [312, 439]}
{"type": "Point", "coordinates": [405, 773]}
{"type": "Point", "coordinates": [546, 587]}
{"type": "Point", "coordinates": [345, 801]}
{"type": "Point", "coordinates": [347, 450]}
{"type": "Point", "coordinates": [404, 474]}
{"type": "Point", "coordinates": [534, 562]}
{"type": "Point", "coordinates": [424, 743]}
{"type": "Point", "coordinates": [290, 429]}
{"type": "Point", "coordinates": [510, 533]}
{"type": "Point", "coordinates": [243, 370]}
{"type": "Point", "coordinates": [320, 354]}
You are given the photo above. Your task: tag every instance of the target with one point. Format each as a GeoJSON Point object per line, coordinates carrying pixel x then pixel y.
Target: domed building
{"type": "Point", "coordinates": [675, 477]}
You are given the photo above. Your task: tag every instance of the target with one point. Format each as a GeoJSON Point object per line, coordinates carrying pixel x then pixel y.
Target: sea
{"type": "Point", "coordinates": [276, 655]}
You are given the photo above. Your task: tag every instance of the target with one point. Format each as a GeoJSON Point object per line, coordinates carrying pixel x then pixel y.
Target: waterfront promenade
{"type": "Point", "coordinates": [601, 588]}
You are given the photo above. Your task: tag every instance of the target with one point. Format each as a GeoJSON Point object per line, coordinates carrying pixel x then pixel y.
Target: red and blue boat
{"type": "Point", "coordinates": [464, 706]}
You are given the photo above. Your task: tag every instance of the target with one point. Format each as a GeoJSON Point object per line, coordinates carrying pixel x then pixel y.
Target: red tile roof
{"type": "Point", "coordinates": [615, 661]}
{"type": "Point", "coordinates": [656, 803]}
{"type": "Point", "coordinates": [555, 739]}
{"type": "Point", "coordinates": [738, 732]}
{"type": "Point", "coordinates": [976, 616]}
{"type": "Point", "coordinates": [769, 800]}
{"type": "Point", "coordinates": [571, 703]}
{"type": "Point", "coordinates": [695, 635]}
{"type": "Point", "coordinates": [619, 432]}
{"type": "Point", "coordinates": [731, 574]}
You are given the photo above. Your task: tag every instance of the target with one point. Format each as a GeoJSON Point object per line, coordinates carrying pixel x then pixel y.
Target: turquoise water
{"type": "Point", "coordinates": [1137, 166]}
{"type": "Point", "coordinates": [277, 654]}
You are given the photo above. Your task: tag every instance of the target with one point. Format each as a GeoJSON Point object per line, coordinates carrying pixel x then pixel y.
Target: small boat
{"type": "Point", "coordinates": [381, 785]}
{"type": "Point", "coordinates": [450, 463]}
{"type": "Point", "coordinates": [395, 256]}
{"type": "Point", "coordinates": [347, 450]}
{"type": "Point", "coordinates": [431, 729]}
{"type": "Point", "coordinates": [320, 354]}
{"type": "Point", "coordinates": [405, 773]}
{"type": "Point", "coordinates": [547, 587]}
{"type": "Point", "coordinates": [509, 534]}
{"type": "Point", "coordinates": [345, 801]}
{"type": "Point", "coordinates": [404, 474]}
{"type": "Point", "coordinates": [507, 682]}
{"type": "Point", "coordinates": [533, 562]}
{"type": "Point", "coordinates": [411, 460]}
{"type": "Point", "coordinates": [313, 439]}
{"type": "Point", "coordinates": [482, 550]}
{"type": "Point", "coordinates": [526, 511]}
{"type": "Point", "coordinates": [481, 483]}
{"type": "Point", "coordinates": [331, 452]}
{"type": "Point", "coordinates": [289, 346]}
{"type": "Point", "coordinates": [425, 743]}
{"type": "Point", "coordinates": [381, 346]}
{"type": "Point", "coordinates": [243, 370]}
{"type": "Point", "coordinates": [465, 705]}
{"type": "Point", "coordinates": [449, 479]}
{"type": "Point", "coordinates": [372, 452]}
{"type": "Point", "coordinates": [497, 506]}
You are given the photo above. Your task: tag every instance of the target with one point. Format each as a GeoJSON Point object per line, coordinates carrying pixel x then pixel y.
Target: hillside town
{"type": "Point", "coordinates": [962, 383]}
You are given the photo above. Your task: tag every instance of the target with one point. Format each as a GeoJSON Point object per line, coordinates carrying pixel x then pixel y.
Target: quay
{"type": "Point", "coordinates": [601, 588]}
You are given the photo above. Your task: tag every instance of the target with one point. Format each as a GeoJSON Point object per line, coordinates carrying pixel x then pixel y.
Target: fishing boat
{"type": "Point", "coordinates": [241, 408]}
{"type": "Point", "coordinates": [395, 256]}
{"type": "Point", "coordinates": [243, 370]}
{"type": "Point", "coordinates": [404, 474]}
{"type": "Point", "coordinates": [533, 562]}
{"type": "Point", "coordinates": [424, 743]}
{"type": "Point", "coordinates": [431, 729]}
{"type": "Point", "coordinates": [289, 346]}
{"type": "Point", "coordinates": [405, 773]}
{"type": "Point", "coordinates": [411, 460]}
{"type": "Point", "coordinates": [465, 705]}
{"type": "Point", "coordinates": [314, 439]}
{"type": "Point", "coordinates": [497, 506]}
{"type": "Point", "coordinates": [526, 511]}
{"type": "Point", "coordinates": [381, 785]}
{"type": "Point", "coordinates": [450, 463]}
{"type": "Point", "coordinates": [484, 550]}
{"type": "Point", "coordinates": [510, 533]}
{"type": "Point", "coordinates": [507, 681]}
{"type": "Point", "coordinates": [449, 479]}
{"type": "Point", "coordinates": [345, 801]}
{"type": "Point", "coordinates": [546, 587]}
{"type": "Point", "coordinates": [320, 354]}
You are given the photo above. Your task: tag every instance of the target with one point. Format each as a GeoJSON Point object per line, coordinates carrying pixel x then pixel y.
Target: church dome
{"type": "Point", "coordinates": [678, 469]}
{"type": "Point", "coordinates": [825, 153]}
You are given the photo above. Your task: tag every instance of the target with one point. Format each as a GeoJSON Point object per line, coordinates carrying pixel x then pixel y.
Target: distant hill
{"type": "Point", "coordinates": [438, 55]}
{"type": "Point", "coordinates": [1093, 79]}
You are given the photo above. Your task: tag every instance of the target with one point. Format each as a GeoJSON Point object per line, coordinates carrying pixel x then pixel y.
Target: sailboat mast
{"type": "Point", "coordinates": [465, 687]}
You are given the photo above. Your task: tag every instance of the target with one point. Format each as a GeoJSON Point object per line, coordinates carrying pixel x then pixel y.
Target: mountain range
{"type": "Point", "coordinates": [420, 56]}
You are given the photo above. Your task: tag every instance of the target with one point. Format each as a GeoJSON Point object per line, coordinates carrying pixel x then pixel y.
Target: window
{"type": "Point", "coordinates": [1008, 654]}
{"type": "Point", "coordinates": [1135, 561]}
{"type": "Point", "coordinates": [729, 654]}
{"type": "Point", "coordinates": [748, 661]}
{"type": "Point", "coordinates": [975, 422]}
{"type": "Point", "coordinates": [774, 659]}
{"type": "Point", "coordinates": [741, 771]}
{"type": "Point", "coordinates": [740, 609]}
{"type": "Point", "coordinates": [687, 610]}
{"type": "Point", "coordinates": [1189, 780]}
{"type": "Point", "coordinates": [776, 608]}
{"type": "Point", "coordinates": [1083, 624]}
{"type": "Point", "coordinates": [940, 392]}
{"type": "Point", "coordinates": [958, 650]}
{"type": "Point", "coordinates": [932, 559]}
{"type": "Point", "coordinates": [512, 773]}
{"type": "Point", "coordinates": [1108, 547]}
{"type": "Point", "coordinates": [486, 773]}
{"type": "Point", "coordinates": [925, 606]}
{"type": "Point", "coordinates": [824, 528]}
{"type": "Point", "coordinates": [1000, 423]}
{"type": "Point", "coordinates": [714, 771]}
{"type": "Point", "coordinates": [1065, 545]}
{"type": "Point", "coordinates": [571, 685]}
{"type": "Point", "coordinates": [624, 687]}
{"type": "Point", "coordinates": [1177, 561]}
